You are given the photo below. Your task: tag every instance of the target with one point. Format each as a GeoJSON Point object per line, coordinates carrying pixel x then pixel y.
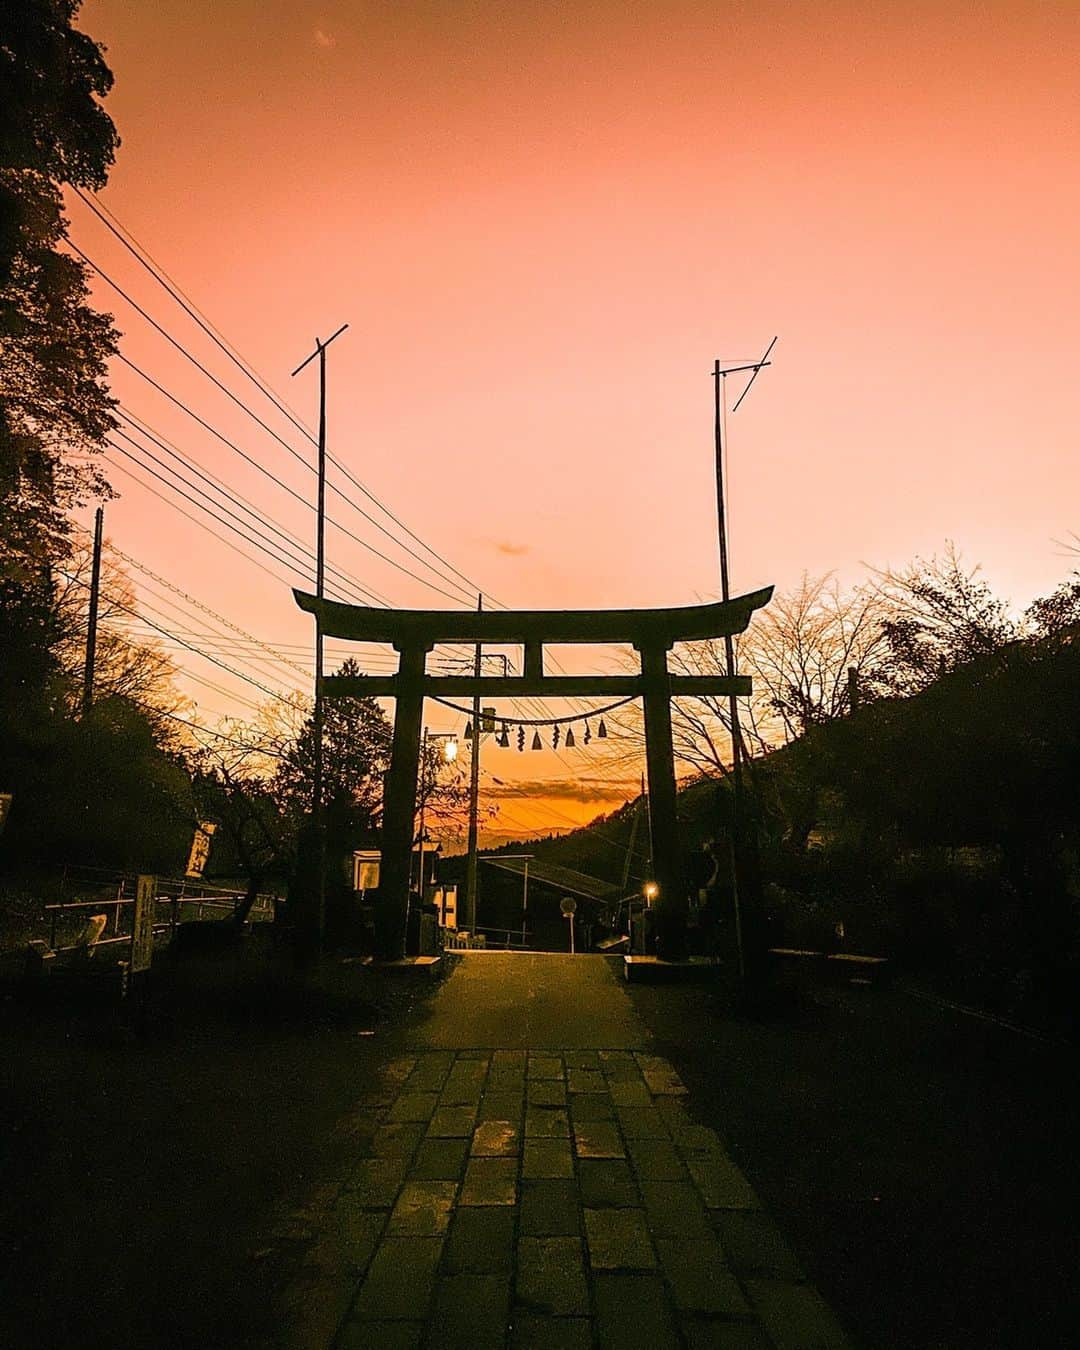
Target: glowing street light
{"type": "Point", "coordinates": [650, 890]}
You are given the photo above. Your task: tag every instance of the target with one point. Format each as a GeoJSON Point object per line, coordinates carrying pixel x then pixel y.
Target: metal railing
{"type": "Point", "coordinates": [171, 891]}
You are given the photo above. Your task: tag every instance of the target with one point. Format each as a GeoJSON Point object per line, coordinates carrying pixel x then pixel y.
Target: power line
{"type": "Point", "coordinates": [264, 425]}
{"type": "Point", "coordinates": [179, 403]}
{"type": "Point", "coordinates": [142, 255]}
{"type": "Point", "coordinates": [205, 655]}
{"type": "Point", "coordinates": [284, 581]}
{"type": "Point", "coordinates": [164, 443]}
{"type": "Point", "coordinates": [295, 551]}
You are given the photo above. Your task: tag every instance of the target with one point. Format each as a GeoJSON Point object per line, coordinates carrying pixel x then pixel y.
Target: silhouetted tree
{"type": "Point", "coordinates": [54, 407]}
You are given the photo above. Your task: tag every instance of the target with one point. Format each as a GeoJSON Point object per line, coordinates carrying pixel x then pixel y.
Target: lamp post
{"type": "Point", "coordinates": [449, 754]}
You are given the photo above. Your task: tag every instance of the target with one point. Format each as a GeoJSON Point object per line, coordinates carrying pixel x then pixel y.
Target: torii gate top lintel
{"type": "Point", "coordinates": [639, 627]}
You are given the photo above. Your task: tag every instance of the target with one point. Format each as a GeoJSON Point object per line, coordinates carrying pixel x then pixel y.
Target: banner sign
{"type": "Point", "coordinates": [142, 929]}
{"type": "Point", "coordinates": [200, 848]}
{"type": "Point", "coordinates": [5, 806]}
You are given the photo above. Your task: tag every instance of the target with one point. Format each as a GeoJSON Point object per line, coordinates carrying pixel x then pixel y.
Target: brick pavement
{"type": "Point", "coordinates": [550, 1200]}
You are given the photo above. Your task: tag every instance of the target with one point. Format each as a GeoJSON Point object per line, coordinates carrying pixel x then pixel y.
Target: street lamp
{"type": "Point", "coordinates": [449, 754]}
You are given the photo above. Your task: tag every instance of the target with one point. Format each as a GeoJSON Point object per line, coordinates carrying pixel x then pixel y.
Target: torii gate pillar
{"type": "Point", "coordinates": [668, 871]}
{"type": "Point", "coordinates": [399, 806]}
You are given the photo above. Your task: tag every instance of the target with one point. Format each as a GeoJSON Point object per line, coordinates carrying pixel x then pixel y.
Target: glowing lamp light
{"type": "Point", "coordinates": [450, 750]}
{"type": "Point", "coordinates": [651, 890]}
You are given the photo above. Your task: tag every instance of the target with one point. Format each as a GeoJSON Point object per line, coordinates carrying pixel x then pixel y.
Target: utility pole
{"type": "Point", "coordinates": [91, 625]}
{"type": "Point", "coordinates": [317, 805]}
{"type": "Point", "coordinates": [474, 791]}
{"type": "Point", "coordinates": [720, 393]}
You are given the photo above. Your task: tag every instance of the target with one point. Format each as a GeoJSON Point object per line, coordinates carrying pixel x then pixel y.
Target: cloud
{"type": "Point", "coordinates": [584, 790]}
{"type": "Point", "coordinates": [323, 38]}
{"type": "Point", "coordinates": [511, 550]}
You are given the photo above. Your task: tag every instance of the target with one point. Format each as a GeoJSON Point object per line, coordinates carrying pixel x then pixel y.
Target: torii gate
{"type": "Point", "coordinates": [413, 633]}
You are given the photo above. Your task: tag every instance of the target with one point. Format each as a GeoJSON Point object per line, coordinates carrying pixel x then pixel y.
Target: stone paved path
{"type": "Point", "coordinates": [551, 1197]}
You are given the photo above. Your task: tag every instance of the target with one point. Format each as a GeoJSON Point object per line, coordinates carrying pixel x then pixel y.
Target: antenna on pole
{"type": "Point", "coordinates": [720, 374]}
{"type": "Point", "coordinates": [317, 812]}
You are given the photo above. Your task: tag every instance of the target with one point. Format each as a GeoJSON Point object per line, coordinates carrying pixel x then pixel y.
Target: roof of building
{"type": "Point", "coordinates": [563, 879]}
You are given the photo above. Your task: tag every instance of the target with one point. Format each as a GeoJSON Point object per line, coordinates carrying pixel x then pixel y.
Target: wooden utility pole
{"type": "Point", "coordinates": [471, 877]}
{"type": "Point", "coordinates": [317, 805]}
{"type": "Point", "coordinates": [719, 380]}
{"type": "Point", "coordinates": [92, 620]}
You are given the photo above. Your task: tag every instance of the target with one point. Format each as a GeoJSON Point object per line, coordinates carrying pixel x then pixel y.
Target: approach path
{"type": "Point", "coordinates": [528, 1174]}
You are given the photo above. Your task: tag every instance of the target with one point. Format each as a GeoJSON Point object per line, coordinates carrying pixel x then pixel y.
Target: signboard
{"type": "Point", "coordinates": [142, 929]}
{"type": "Point", "coordinates": [487, 720]}
{"type": "Point", "coordinates": [5, 807]}
{"type": "Point", "coordinates": [200, 848]}
{"type": "Point", "coordinates": [366, 869]}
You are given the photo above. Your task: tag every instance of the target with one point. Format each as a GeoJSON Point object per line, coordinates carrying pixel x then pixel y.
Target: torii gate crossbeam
{"type": "Point", "coordinates": [413, 633]}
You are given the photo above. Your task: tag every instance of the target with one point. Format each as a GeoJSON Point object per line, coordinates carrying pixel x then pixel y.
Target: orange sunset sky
{"type": "Point", "coordinates": [543, 221]}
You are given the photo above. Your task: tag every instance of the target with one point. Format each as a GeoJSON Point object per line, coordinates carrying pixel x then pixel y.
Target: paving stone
{"type": "Point", "coordinates": [598, 1139]}
{"type": "Point", "coordinates": [700, 1277]}
{"type": "Point", "coordinates": [690, 1136]}
{"type": "Point", "coordinates": [660, 1077]}
{"type": "Point", "coordinates": [496, 1139]}
{"type": "Point", "coordinates": [641, 1122]}
{"type": "Point", "coordinates": [471, 1311]}
{"type": "Point", "coordinates": [509, 1058]}
{"type": "Point", "coordinates": [619, 1066]}
{"type": "Point", "coordinates": [485, 1055]}
{"type": "Point", "coordinates": [655, 1160]}
{"type": "Point", "coordinates": [452, 1121]}
{"type": "Point", "coordinates": [400, 1279]}
{"type": "Point", "coordinates": [398, 1070]}
{"type": "Point", "coordinates": [396, 1140]}
{"type": "Point", "coordinates": [547, 1092]}
{"type": "Point", "coordinates": [721, 1184]}
{"type": "Point", "coordinates": [606, 1181]}
{"type": "Point", "coordinates": [423, 1209]}
{"type": "Point", "coordinates": [547, 1158]}
{"type": "Point", "coordinates": [549, 1209]}
{"type": "Point", "coordinates": [439, 1160]}
{"type": "Point", "coordinates": [489, 1181]}
{"type": "Point", "coordinates": [430, 1072]}
{"type": "Point", "coordinates": [464, 1083]}
{"type": "Point", "coordinates": [707, 1333]}
{"type": "Point", "coordinates": [585, 1080]}
{"type": "Point", "coordinates": [581, 1059]}
{"type": "Point", "coordinates": [592, 1106]}
{"type": "Point", "coordinates": [795, 1316]}
{"type": "Point", "coordinates": [376, 1181]}
{"type": "Point", "coordinates": [481, 1241]}
{"type": "Point", "coordinates": [531, 1332]}
{"type": "Point", "coordinates": [547, 1122]}
{"type": "Point", "coordinates": [674, 1209]}
{"type": "Point", "coordinates": [413, 1106]}
{"type": "Point", "coordinates": [545, 1066]}
{"type": "Point", "coordinates": [502, 1106]}
{"type": "Point", "coordinates": [505, 1080]}
{"type": "Point", "coordinates": [754, 1245]}
{"type": "Point", "coordinates": [618, 1240]}
{"type": "Point", "coordinates": [551, 1276]}
{"type": "Point", "coordinates": [631, 1092]}
{"type": "Point", "coordinates": [633, 1313]}
{"type": "Point", "coordinates": [355, 1232]}
{"type": "Point", "coordinates": [386, 1335]}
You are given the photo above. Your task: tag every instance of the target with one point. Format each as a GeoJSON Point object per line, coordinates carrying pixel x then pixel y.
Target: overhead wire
{"type": "Point", "coordinates": [264, 425]}
{"type": "Point", "coordinates": [142, 255]}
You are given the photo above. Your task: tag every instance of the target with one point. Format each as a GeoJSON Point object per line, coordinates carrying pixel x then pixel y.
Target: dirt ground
{"type": "Point", "coordinates": [142, 1157]}
{"type": "Point", "coordinates": [921, 1164]}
